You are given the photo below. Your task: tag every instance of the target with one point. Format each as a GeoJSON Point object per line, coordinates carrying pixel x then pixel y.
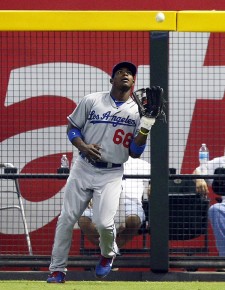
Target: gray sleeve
{"type": "Point", "coordinates": [79, 116]}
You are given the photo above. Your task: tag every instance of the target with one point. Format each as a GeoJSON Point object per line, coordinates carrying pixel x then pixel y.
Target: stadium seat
{"type": "Point", "coordinates": [10, 169]}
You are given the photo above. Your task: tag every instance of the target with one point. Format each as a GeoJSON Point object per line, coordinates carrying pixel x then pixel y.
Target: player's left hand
{"type": "Point", "coordinates": [147, 122]}
{"type": "Point", "coordinates": [150, 102]}
{"type": "Point", "coordinates": [152, 106]}
{"type": "Point", "coordinates": [154, 102]}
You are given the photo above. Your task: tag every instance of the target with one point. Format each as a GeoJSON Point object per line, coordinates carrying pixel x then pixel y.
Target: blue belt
{"type": "Point", "coordinates": [101, 164]}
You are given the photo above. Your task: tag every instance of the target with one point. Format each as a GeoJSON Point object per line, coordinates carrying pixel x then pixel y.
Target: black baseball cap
{"type": "Point", "coordinates": [126, 64]}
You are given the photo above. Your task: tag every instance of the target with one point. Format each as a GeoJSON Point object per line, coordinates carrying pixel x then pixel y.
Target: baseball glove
{"type": "Point", "coordinates": [150, 102]}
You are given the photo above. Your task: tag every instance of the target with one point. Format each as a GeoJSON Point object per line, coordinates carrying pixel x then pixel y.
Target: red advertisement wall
{"type": "Point", "coordinates": [16, 49]}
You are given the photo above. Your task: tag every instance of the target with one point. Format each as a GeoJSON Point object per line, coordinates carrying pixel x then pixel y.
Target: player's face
{"type": "Point", "coordinates": [123, 78]}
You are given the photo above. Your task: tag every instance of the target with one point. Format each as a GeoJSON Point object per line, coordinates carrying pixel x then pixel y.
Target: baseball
{"type": "Point", "coordinates": [160, 17]}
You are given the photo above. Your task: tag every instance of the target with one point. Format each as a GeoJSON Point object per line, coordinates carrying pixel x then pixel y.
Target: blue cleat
{"type": "Point", "coordinates": [56, 277]}
{"type": "Point", "coordinates": [103, 267]}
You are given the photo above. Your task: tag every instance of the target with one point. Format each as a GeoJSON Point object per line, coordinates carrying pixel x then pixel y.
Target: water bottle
{"type": "Point", "coordinates": [203, 158]}
{"type": "Point", "coordinates": [64, 161]}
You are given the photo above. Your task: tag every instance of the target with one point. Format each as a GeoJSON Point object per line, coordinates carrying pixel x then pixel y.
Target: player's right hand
{"type": "Point", "coordinates": [92, 152]}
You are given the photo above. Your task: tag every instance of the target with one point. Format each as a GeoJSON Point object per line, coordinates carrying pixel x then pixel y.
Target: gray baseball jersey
{"type": "Point", "coordinates": [102, 122]}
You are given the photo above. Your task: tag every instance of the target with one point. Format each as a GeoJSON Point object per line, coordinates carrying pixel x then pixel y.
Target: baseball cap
{"type": "Point", "coordinates": [126, 64]}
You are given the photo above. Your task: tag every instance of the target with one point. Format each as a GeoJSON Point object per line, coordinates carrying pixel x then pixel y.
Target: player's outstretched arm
{"type": "Point", "coordinates": [150, 105]}
{"type": "Point", "coordinates": [138, 144]}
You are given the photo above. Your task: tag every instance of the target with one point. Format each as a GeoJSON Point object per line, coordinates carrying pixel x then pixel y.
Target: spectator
{"type": "Point", "coordinates": [216, 211]}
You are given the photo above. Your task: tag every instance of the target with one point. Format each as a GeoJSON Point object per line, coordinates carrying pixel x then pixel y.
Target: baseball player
{"type": "Point", "coordinates": [216, 211]}
{"type": "Point", "coordinates": [130, 213]}
{"type": "Point", "coordinates": [106, 128]}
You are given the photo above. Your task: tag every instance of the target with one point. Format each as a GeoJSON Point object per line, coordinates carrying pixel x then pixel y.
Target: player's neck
{"type": "Point", "coordinates": [120, 95]}
{"type": "Point", "coordinates": [118, 103]}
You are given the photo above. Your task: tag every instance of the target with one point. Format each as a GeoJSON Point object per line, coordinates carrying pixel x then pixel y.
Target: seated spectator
{"type": "Point", "coordinates": [130, 213]}
{"type": "Point", "coordinates": [216, 212]}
